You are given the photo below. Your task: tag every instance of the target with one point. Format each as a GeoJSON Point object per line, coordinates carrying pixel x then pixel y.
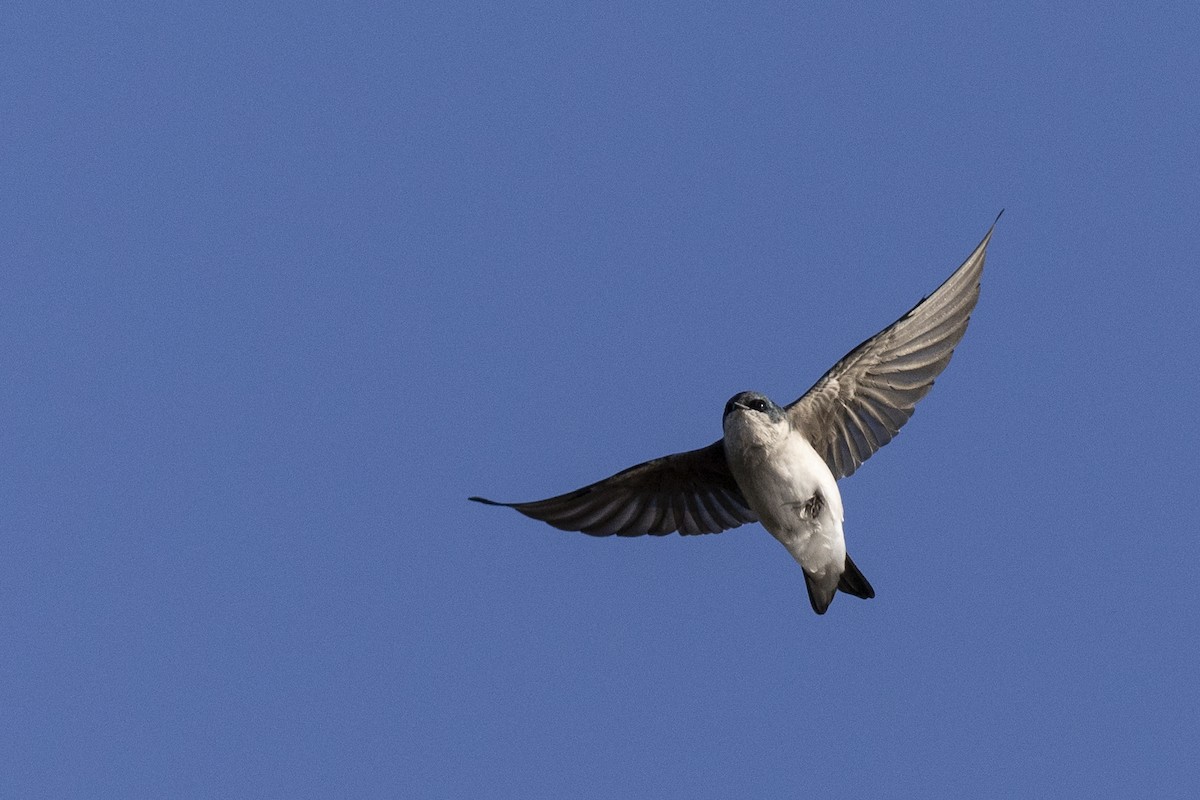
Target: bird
{"type": "Point", "coordinates": [779, 465]}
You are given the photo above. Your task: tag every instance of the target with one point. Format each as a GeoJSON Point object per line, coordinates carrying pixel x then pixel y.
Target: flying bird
{"type": "Point", "coordinates": [779, 465]}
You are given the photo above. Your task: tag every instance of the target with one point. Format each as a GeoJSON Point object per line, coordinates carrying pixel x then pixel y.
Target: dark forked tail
{"type": "Point", "coordinates": [850, 582]}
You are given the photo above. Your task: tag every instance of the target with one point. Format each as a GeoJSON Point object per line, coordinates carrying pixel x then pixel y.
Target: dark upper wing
{"type": "Point", "coordinates": [691, 492]}
{"type": "Point", "coordinates": [860, 404]}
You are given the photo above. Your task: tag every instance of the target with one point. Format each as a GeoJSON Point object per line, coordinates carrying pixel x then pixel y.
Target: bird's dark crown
{"type": "Point", "coordinates": [753, 401]}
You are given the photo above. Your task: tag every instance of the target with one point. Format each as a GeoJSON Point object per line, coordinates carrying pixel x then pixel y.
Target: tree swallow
{"type": "Point", "coordinates": [780, 465]}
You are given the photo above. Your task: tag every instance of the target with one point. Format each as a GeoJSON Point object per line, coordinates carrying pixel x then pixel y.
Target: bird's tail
{"type": "Point", "coordinates": [854, 582]}
{"type": "Point", "coordinates": [851, 581]}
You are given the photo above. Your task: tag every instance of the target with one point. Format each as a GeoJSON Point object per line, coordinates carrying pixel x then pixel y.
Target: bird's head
{"type": "Point", "coordinates": [754, 419]}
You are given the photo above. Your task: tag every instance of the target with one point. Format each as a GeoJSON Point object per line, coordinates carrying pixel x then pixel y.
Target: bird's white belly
{"type": "Point", "coordinates": [780, 485]}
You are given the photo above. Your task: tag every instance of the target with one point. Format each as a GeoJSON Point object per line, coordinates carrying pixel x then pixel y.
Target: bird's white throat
{"type": "Point", "coordinates": [749, 431]}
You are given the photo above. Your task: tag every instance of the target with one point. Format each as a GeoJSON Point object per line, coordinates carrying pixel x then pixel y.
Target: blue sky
{"type": "Point", "coordinates": [283, 284]}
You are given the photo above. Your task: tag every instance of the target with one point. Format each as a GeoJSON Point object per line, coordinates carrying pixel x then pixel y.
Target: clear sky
{"type": "Point", "coordinates": [281, 285]}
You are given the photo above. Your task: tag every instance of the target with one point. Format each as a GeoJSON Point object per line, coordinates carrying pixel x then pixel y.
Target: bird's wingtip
{"type": "Point", "coordinates": [987, 237]}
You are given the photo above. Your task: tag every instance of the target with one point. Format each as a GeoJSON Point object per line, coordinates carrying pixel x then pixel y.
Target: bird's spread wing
{"type": "Point", "coordinates": [860, 404]}
{"type": "Point", "coordinates": [692, 492]}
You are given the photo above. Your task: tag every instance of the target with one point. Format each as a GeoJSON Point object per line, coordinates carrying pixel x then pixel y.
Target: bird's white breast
{"type": "Point", "coordinates": [779, 475]}
{"type": "Point", "coordinates": [776, 477]}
